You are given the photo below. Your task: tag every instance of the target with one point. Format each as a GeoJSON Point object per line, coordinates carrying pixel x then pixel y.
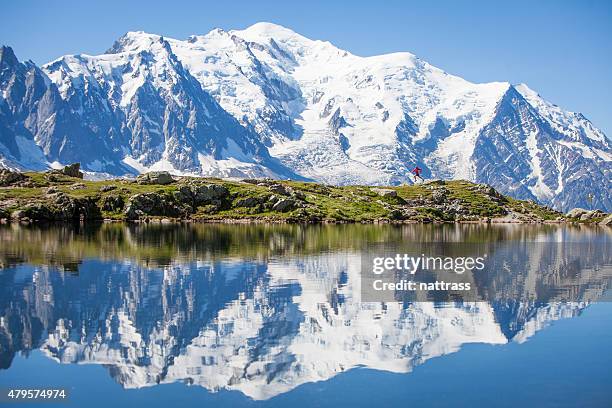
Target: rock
{"type": "Point", "coordinates": [155, 204]}
{"type": "Point", "coordinates": [284, 205]}
{"type": "Point", "coordinates": [248, 202]}
{"type": "Point", "coordinates": [51, 176]}
{"type": "Point", "coordinates": [206, 194]}
{"type": "Point", "coordinates": [487, 190]}
{"type": "Point", "coordinates": [4, 214]}
{"type": "Point", "coordinates": [60, 207]}
{"type": "Point", "coordinates": [577, 212]}
{"type": "Point", "coordinates": [113, 203]}
{"type": "Point", "coordinates": [51, 190]}
{"type": "Point", "coordinates": [396, 214]}
{"type": "Point", "coordinates": [202, 194]}
{"type": "Point", "coordinates": [384, 192]}
{"type": "Point", "coordinates": [438, 196]}
{"type": "Point", "coordinates": [607, 220]}
{"type": "Point", "coordinates": [78, 186]}
{"type": "Point", "coordinates": [72, 170]}
{"type": "Point", "coordinates": [250, 181]}
{"type": "Point", "coordinates": [10, 178]}
{"type": "Point", "coordinates": [155, 177]}
{"type": "Point", "coordinates": [107, 187]}
{"type": "Point", "coordinates": [589, 215]}
{"type": "Point", "coordinates": [299, 195]}
{"type": "Point", "coordinates": [280, 189]}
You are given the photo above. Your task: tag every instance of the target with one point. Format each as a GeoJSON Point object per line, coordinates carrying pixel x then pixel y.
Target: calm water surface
{"type": "Point", "coordinates": [226, 315]}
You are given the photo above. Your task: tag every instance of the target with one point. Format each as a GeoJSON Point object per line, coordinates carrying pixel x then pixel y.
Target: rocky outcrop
{"type": "Point", "coordinates": [73, 170]}
{"type": "Point", "coordinates": [113, 203]}
{"type": "Point", "coordinates": [155, 204]}
{"type": "Point", "coordinates": [585, 215]}
{"type": "Point", "coordinates": [284, 205]}
{"type": "Point", "coordinates": [196, 194]}
{"type": "Point", "coordinates": [11, 178]}
{"type": "Point", "coordinates": [59, 207]}
{"type": "Point", "coordinates": [58, 198]}
{"type": "Point", "coordinates": [384, 192]}
{"type": "Point", "coordinates": [155, 177]}
{"type": "Point", "coordinates": [607, 220]}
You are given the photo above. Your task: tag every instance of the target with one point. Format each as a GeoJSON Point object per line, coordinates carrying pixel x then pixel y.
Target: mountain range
{"type": "Point", "coordinates": [268, 102]}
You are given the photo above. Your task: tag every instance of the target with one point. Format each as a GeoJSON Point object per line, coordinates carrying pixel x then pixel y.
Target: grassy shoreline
{"type": "Point", "coordinates": [158, 197]}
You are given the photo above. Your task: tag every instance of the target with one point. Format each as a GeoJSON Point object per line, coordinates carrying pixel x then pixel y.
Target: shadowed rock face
{"type": "Point", "coordinates": [267, 102]}
{"type": "Point", "coordinates": [225, 316]}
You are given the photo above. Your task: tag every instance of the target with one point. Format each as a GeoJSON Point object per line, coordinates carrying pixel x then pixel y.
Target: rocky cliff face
{"type": "Point", "coordinates": [266, 101]}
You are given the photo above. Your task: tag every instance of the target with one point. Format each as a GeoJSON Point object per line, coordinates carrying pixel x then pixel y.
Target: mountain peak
{"type": "Point", "coordinates": [270, 29]}
{"type": "Point", "coordinates": [262, 32]}
{"type": "Point", "coordinates": [7, 56]}
{"type": "Point", "coordinates": [133, 40]}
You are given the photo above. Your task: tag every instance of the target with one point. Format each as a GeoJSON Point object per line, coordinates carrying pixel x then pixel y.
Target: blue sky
{"type": "Point", "coordinates": [562, 49]}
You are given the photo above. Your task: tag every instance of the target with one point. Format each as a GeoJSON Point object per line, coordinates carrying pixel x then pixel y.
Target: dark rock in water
{"type": "Point", "coordinates": [10, 178]}
{"type": "Point", "coordinates": [155, 177]}
{"type": "Point", "coordinates": [4, 214]}
{"type": "Point", "coordinates": [73, 170]}
{"type": "Point", "coordinates": [113, 203]}
{"type": "Point", "coordinates": [155, 204]}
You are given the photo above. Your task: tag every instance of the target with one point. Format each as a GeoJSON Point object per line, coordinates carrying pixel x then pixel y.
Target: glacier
{"type": "Point", "coordinates": [268, 102]}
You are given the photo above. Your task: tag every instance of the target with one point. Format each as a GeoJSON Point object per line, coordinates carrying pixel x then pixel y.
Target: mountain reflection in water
{"type": "Point", "coordinates": [262, 309]}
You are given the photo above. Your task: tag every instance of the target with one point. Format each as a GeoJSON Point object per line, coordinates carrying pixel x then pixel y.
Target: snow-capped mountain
{"type": "Point", "coordinates": [266, 101]}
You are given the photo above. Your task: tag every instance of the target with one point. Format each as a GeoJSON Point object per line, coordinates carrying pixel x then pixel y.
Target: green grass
{"type": "Point", "coordinates": [320, 202]}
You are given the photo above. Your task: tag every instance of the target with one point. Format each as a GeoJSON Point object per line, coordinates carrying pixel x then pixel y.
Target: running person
{"type": "Point", "coordinates": [417, 174]}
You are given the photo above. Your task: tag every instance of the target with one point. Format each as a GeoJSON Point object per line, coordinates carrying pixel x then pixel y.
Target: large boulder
{"type": "Point", "coordinates": [10, 178]}
{"type": "Point", "coordinates": [248, 202]}
{"type": "Point", "coordinates": [284, 205]}
{"type": "Point", "coordinates": [155, 177]}
{"type": "Point", "coordinates": [72, 170]}
{"type": "Point", "coordinates": [280, 189]}
{"type": "Point", "coordinates": [385, 192]}
{"type": "Point", "coordinates": [196, 194]}
{"type": "Point", "coordinates": [439, 195]}
{"type": "Point", "coordinates": [60, 207]}
{"type": "Point", "coordinates": [113, 203]}
{"type": "Point", "coordinates": [577, 213]}
{"type": "Point", "coordinates": [591, 214]}
{"type": "Point", "coordinates": [155, 204]}
{"type": "Point", "coordinates": [607, 220]}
